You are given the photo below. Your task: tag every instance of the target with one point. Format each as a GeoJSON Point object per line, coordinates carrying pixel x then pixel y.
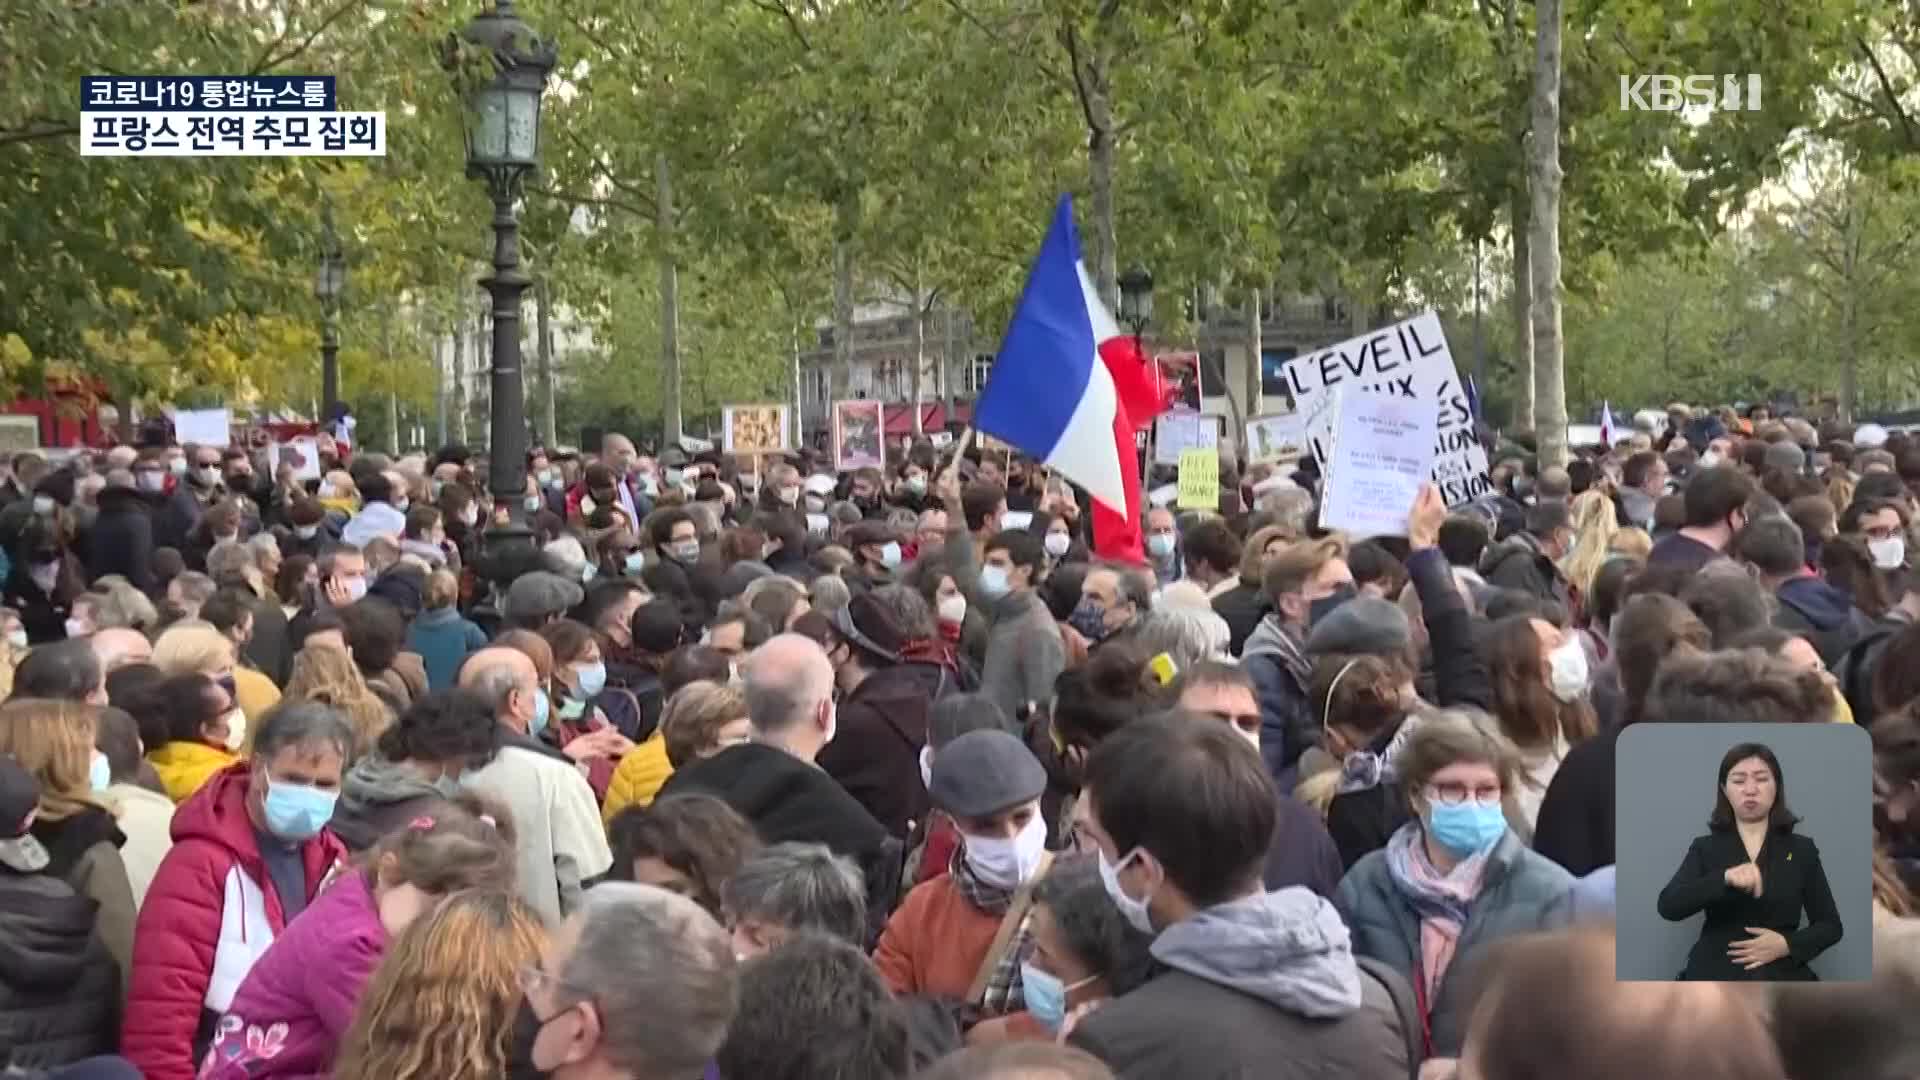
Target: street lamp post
{"type": "Point", "coordinates": [328, 285]}
{"type": "Point", "coordinates": [1136, 301]}
{"type": "Point", "coordinates": [501, 74]}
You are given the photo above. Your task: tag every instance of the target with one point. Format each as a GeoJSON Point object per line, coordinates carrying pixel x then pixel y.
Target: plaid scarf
{"type": "Point", "coordinates": [1442, 901]}
{"type": "Point", "coordinates": [1003, 994]}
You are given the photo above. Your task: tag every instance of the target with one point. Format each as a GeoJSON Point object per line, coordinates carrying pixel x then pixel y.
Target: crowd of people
{"type": "Point", "coordinates": [760, 771]}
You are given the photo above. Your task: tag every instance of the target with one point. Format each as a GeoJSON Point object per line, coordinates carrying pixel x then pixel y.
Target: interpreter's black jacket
{"type": "Point", "coordinates": [1792, 880]}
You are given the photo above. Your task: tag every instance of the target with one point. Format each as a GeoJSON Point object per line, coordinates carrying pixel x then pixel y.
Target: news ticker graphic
{"type": "Point", "coordinates": [223, 116]}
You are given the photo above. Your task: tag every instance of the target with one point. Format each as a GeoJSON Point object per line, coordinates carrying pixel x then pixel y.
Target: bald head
{"type": "Point", "coordinates": [1553, 1008]}
{"type": "Point", "coordinates": [507, 679]}
{"type": "Point", "coordinates": [118, 646]}
{"type": "Point", "coordinates": [790, 691]}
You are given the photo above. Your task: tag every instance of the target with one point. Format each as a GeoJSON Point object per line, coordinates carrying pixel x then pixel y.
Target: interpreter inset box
{"type": "Point", "coordinates": [1745, 852]}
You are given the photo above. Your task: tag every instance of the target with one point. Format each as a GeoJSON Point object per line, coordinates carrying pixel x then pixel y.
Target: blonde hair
{"type": "Point", "coordinates": [442, 590]}
{"type": "Point", "coordinates": [123, 606]}
{"type": "Point", "coordinates": [693, 718]}
{"type": "Point", "coordinates": [1631, 542]}
{"type": "Point", "coordinates": [1593, 527]}
{"type": "Point", "coordinates": [53, 740]}
{"type": "Point", "coordinates": [193, 647]}
{"type": "Point", "coordinates": [328, 676]}
{"type": "Point", "coordinates": [442, 1001]}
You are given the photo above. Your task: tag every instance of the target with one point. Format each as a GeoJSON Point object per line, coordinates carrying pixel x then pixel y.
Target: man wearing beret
{"type": "Point", "coordinates": [947, 940]}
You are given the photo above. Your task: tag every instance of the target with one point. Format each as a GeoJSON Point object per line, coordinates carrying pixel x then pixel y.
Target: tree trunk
{"type": "Point", "coordinates": [846, 226]}
{"type": "Point", "coordinates": [919, 356]}
{"type": "Point", "coordinates": [1095, 94]}
{"type": "Point", "coordinates": [459, 404]}
{"type": "Point", "coordinates": [1255, 348]}
{"type": "Point", "coordinates": [1550, 374]}
{"type": "Point", "coordinates": [393, 399]}
{"type": "Point", "coordinates": [440, 393]}
{"type": "Point", "coordinates": [946, 364]}
{"type": "Point", "coordinates": [549, 424]}
{"type": "Point", "coordinates": [483, 357]}
{"type": "Point", "coordinates": [1523, 404]}
{"type": "Point", "coordinates": [670, 416]}
{"type": "Point", "coordinates": [799, 403]}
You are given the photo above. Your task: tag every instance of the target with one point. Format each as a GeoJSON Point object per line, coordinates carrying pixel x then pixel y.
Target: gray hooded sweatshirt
{"type": "Point", "coordinates": [1265, 986]}
{"type": "Point", "coordinates": [374, 796]}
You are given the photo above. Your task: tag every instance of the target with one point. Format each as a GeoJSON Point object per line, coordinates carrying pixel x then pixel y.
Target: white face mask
{"type": "Point", "coordinates": [1004, 863]}
{"type": "Point", "coordinates": [17, 638]}
{"type": "Point", "coordinates": [953, 608]}
{"type": "Point", "coordinates": [1888, 554]}
{"type": "Point", "coordinates": [306, 532]}
{"type": "Point", "coordinates": [1567, 670]}
{"type": "Point", "coordinates": [236, 729]}
{"type": "Point", "coordinates": [790, 496]}
{"type": "Point", "coordinates": [150, 480]}
{"type": "Point", "coordinates": [993, 581]}
{"type": "Point", "coordinates": [76, 628]}
{"type": "Point", "coordinates": [1710, 460]}
{"type": "Point", "coordinates": [1057, 543]}
{"type": "Point", "coordinates": [926, 767]}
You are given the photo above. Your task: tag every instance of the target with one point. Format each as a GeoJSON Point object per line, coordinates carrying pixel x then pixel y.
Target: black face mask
{"type": "Point", "coordinates": [527, 1026]}
{"type": "Point", "coordinates": [1325, 606]}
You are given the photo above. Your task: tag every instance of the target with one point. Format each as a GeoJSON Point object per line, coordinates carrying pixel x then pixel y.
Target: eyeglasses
{"type": "Point", "coordinates": [1452, 794]}
{"type": "Point", "coordinates": [1247, 723]}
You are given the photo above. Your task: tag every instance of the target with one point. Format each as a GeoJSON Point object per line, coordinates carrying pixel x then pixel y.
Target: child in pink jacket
{"type": "Point", "coordinates": [293, 1009]}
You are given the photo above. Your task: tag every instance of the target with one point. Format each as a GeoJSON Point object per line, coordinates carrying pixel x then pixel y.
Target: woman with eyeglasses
{"type": "Point", "coordinates": [1456, 877]}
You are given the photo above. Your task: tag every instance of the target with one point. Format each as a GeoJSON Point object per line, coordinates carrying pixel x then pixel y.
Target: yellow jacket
{"type": "Point", "coordinates": [639, 777]}
{"type": "Point", "coordinates": [255, 694]}
{"type": "Point", "coordinates": [184, 766]}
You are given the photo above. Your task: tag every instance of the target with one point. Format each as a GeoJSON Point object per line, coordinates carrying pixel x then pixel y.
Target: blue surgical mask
{"type": "Point", "coordinates": [296, 811]}
{"type": "Point", "coordinates": [890, 554]}
{"type": "Point", "coordinates": [541, 709]}
{"type": "Point", "coordinates": [1046, 995]}
{"type": "Point", "coordinates": [593, 679]}
{"type": "Point", "coordinates": [587, 573]}
{"type": "Point", "coordinates": [1160, 545]}
{"type": "Point", "coordinates": [1467, 829]}
{"type": "Point", "coordinates": [993, 581]}
{"type": "Point", "coordinates": [532, 503]}
{"type": "Point", "coordinates": [635, 562]}
{"type": "Point", "coordinates": [100, 773]}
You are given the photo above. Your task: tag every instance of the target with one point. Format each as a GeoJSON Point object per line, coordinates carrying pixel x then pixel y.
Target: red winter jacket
{"type": "Point", "coordinates": [209, 914]}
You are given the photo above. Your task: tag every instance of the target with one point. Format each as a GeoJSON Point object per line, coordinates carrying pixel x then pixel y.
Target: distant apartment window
{"type": "Point", "coordinates": [982, 366]}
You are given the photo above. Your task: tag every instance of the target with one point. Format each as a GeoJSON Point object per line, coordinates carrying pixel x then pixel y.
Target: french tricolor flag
{"type": "Point", "coordinates": [1070, 389]}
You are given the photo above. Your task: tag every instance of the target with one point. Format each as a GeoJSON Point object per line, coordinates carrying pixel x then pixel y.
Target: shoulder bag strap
{"type": "Point", "coordinates": [1004, 938]}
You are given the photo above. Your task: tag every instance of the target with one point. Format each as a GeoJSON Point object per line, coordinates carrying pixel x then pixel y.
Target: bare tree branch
{"type": "Point", "coordinates": [779, 8]}
{"type": "Point", "coordinates": [271, 59]}
{"type": "Point", "coordinates": [38, 129]}
{"type": "Point", "coordinates": [1887, 90]}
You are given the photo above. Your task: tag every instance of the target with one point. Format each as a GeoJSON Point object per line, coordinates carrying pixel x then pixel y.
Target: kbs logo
{"type": "Point", "coordinates": [1671, 93]}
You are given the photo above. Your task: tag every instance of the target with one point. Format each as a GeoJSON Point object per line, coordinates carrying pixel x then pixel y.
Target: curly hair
{"type": "Point", "coordinates": [1111, 690]}
{"type": "Point", "coordinates": [446, 725]}
{"type": "Point", "coordinates": [442, 1001]}
{"type": "Point", "coordinates": [698, 835]}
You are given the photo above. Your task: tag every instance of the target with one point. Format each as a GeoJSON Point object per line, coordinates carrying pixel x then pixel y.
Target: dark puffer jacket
{"type": "Point", "coordinates": [59, 988]}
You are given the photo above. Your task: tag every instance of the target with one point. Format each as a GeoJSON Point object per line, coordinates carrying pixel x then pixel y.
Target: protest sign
{"type": "Point", "coordinates": [1381, 456]}
{"type": "Point", "coordinates": [1199, 480]}
{"type": "Point", "coordinates": [856, 435]}
{"type": "Point", "coordinates": [1163, 494]}
{"type": "Point", "coordinates": [1181, 429]}
{"type": "Point", "coordinates": [1281, 437]}
{"type": "Point", "coordinates": [753, 429]}
{"type": "Point", "coordinates": [1409, 359]}
{"type": "Point", "coordinates": [207, 427]}
{"type": "Point", "coordinates": [301, 454]}
{"type": "Point", "coordinates": [1317, 427]}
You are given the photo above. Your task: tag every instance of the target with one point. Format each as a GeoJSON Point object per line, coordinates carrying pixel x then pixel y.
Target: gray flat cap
{"type": "Point", "coordinates": [1364, 625]}
{"type": "Point", "coordinates": [541, 593]}
{"type": "Point", "coordinates": [983, 772]}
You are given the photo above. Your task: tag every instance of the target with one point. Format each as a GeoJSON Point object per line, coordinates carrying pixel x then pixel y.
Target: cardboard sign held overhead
{"type": "Point", "coordinates": [1411, 360]}
{"type": "Point", "coordinates": [1199, 480]}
